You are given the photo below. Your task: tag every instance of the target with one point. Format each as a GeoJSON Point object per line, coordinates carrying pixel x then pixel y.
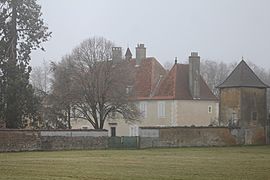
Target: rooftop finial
{"type": "Point", "coordinates": [242, 58]}
{"type": "Point", "coordinates": [175, 60]}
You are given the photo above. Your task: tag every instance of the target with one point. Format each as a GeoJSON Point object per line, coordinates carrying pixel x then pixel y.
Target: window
{"type": "Point", "coordinates": [128, 90]}
{"type": "Point", "coordinates": [210, 109]}
{"type": "Point", "coordinates": [113, 131]}
{"type": "Point", "coordinates": [234, 121]}
{"type": "Point", "coordinates": [161, 109]}
{"type": "Point", "coordinates": [133, 130]}
{"type": "Point", "coordinates": [143, 109]}
{"type": "Point", "coordinates": [254, 116]}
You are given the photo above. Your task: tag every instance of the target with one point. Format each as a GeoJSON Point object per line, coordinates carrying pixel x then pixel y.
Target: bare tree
{"type": "Point", "coordinates": [260, 72]}
{"type": "Point", "coordinates": [40, 77]}
{"type": "Point", "coordinates": [168, 65]}
{"type": "Point", "coordinates": [215, 73]}
{"type": "Point", "coordinates": [98, 86]}
{"type": "Point", "coordinates": [62, 97]}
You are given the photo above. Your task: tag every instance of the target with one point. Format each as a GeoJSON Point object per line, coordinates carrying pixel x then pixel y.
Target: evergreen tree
{"type": "Point", "coordinates": [21, 30]}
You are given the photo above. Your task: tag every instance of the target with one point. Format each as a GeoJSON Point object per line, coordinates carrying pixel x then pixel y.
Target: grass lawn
{"type": "Point", "coordinates": [251, 162]}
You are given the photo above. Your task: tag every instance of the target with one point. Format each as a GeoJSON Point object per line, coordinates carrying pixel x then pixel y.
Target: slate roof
{"type": "Point", "coordinates": [176, 85]}
{"type": "Point", "coordinates": [128, 53]}
{"type": "Point", "coordinates": [243, 76]}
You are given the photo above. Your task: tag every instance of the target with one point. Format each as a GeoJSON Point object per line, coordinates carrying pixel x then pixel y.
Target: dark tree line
{"type": "Point", "coordinates": [21, 30]}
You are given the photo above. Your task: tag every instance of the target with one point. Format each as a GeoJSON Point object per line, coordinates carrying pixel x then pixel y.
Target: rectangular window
{"type": "Point", "coordinates": [113, 131]}
{"type": "Point", "coordinates": [143, 109]}
{"type": "Point", "coordinates": [234, 121]}
{"type": "Point", "coordinates": [133, 130]}
{"type": "Point", "coordinates": [128, 90]}
{"type": "Point", "coordinates": [254, 116]}
{"type": "Point", "coordinates": [210, 109]}
{"type": "Point", "coordinates": [161, 109]}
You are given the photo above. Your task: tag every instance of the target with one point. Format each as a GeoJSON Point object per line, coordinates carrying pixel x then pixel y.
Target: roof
{"type": "Point", "coordinates": [176, 85]}
{"type": "Point", "coordinates": [128, 53]}
{"type": "Point", "coordinates": [147, 76]}
{"type": "Point", "coordinates": [243, 76]}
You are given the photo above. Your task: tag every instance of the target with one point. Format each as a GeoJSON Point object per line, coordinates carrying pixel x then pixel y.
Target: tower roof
{"type": "Point", "coordinates": [128, 53]}
{"type": "Point", "coordinates": [242, 76]}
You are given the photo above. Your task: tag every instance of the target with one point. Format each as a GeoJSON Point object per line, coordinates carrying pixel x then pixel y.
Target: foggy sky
{"type": "Point", "coordinates": [220, 30]}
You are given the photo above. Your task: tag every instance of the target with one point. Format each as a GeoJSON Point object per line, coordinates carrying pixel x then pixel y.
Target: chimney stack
{"type": "Point", "coordinates": [140, 53]}
{"type": "Point", "coordinates": [194, 75]}
{"type": "Point", "coordinates": [116, 54]}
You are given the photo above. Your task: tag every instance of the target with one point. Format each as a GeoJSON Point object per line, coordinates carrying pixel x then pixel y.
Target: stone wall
{"type": "Point", "coordinates": [256, 135]}
{"type": "Point", "coordinates": [253, 100]}
{"type": "Point", "coordinates": [230, 105]}
{"type": "Point", "coordinates": [267, 134]}
{"type": "Point", "coordinates": [245, 107]}
{"type": "Point", "coordinates": [59, 140]}
{"type": "Point", "coordinates": [31, 140]}
{"type": "Point", "coordinates": [19, 140]}
{"type": "Point", "coordinates": [199, 136]}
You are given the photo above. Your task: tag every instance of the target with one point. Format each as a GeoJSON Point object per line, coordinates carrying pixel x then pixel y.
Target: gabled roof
{"type": "Point", "coordinates": [242, 76]}
{"type": "Point", "coordinates": [176, 85]}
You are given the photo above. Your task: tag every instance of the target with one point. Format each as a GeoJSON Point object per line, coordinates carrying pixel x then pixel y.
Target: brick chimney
{"type": "Point", "coordinates": [140, 53]}
{"type": "Point", "coordinates": [116, 54]}
{"type": "Point", "coordinates": [194, 75]}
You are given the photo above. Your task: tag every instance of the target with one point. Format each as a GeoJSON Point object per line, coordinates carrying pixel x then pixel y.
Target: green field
{"type": "Point", "coordinates": [251, 162]}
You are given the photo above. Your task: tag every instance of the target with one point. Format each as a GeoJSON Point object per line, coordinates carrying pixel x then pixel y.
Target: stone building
{"type": "Point", "coordinates": [243, 99]}
{"type": "Point", "coordinates": [179, 97]}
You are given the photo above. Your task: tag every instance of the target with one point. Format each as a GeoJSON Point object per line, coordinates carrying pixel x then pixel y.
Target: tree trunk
{"type": "Point", "coordinates": [11, 100]}
{"type": "Point", "coordinates": [68, 118]}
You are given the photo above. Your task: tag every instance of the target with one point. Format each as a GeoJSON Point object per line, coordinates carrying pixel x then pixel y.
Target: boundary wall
{"type": "Point", "coordinates": [38, 140]}
{"type": "Point", "coordinates": [200, 136]}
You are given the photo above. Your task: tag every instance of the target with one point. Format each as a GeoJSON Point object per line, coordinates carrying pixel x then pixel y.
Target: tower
{"type": "Point", "coordinates": [128, 55]}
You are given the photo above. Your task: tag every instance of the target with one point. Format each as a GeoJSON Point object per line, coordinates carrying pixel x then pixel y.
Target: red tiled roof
{"type": "Point", "coordinates": [176, 85]}
{"type": "Point", "coordinates": [152, 82]}
{"type": "Point", "coordinates": [147, 76]}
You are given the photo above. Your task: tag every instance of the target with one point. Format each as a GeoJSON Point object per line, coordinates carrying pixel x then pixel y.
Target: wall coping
{"type": "Point", "coordinates": [61, 130]}
{"type": "Point", "coordinates": [186, 127]}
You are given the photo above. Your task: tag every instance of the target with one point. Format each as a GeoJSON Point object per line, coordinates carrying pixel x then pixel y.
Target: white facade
{"type": "Point", "coordinates": [163, 113]}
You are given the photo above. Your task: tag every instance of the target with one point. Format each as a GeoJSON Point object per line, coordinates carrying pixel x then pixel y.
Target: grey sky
{"type": "Point", "coordinates": [221, 30]}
